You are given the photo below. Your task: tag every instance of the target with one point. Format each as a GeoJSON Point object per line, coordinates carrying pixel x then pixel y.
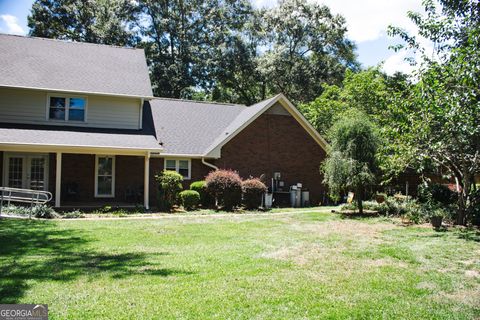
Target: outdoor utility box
{"type": "Point", "coordinates": [268, 200]}
{"type": "Point", "coordinates": [305, 198]}
{"type": "Point", "coordinates": [295, 196]}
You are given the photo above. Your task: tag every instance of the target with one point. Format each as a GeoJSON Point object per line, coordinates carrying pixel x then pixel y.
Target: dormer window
{"type": "Point", "coordinates": [66, 108]}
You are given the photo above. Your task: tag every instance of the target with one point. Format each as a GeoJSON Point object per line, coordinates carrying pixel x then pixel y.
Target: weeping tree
{"type": "Point", "coordinates": [351, 163]}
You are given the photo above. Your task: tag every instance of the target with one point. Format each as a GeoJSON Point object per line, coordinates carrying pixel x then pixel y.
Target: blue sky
{"type": "Point", "coordinates": [367, 22]}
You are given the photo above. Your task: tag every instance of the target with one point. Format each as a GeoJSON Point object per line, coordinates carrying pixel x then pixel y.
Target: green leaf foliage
{"type": "Point", "coordinates": [170, 184]}
{"type": "Point", "coordinates": [218, 50]}
{"type": "Point", "coordinates": [351, 163]}
{"type": "Point", "coordinates": [190, 199]}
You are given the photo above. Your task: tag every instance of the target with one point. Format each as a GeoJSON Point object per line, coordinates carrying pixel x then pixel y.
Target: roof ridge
{"type": "Point", "coordinates": [69, 41]}
{"type": "Point", "coordinates": [201, 101]}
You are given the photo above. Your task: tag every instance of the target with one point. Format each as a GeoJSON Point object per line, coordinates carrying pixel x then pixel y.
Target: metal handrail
{"type": "Point", "coordinates": [33, 197]}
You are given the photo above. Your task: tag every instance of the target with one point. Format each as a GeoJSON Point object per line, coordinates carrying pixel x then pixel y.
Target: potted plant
{"type": "Point", "coordinates": [380, 197]}
{"type": "Point", "coordinates": [436, 216]}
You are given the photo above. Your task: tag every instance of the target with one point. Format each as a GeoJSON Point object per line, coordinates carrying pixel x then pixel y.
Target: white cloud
{"type": "Point", "coordinates": [12, 24]}
{"type": "Point", "coordinates": [396, 62]}
{"type": "Point", "coordinates": [368, 20]}
{"type": "Point", "coordinates": [264, 3]}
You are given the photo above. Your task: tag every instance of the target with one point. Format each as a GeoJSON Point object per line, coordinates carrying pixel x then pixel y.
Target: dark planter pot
{"type": "Point", "coordinates": [436, 222]}
{"type": "Point", "coordinates": [380, 198]}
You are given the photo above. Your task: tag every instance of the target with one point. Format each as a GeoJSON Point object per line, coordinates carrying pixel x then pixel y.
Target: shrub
{"type": "Point", "coordinates": [40, 211]}
{"type": "Point", "coordinates": [437, 193]}
{"type": "Point", "coordinates": [190, 199]}
{"type": "Point", "coordinates": [396, 206]}
{"type": "Point", "coordinates": [253, 190]}
{"type": "Point", "coordinates": [415, 212]}
{"type": "Point", "coordinates": [73, 214]}
{"type": "Point", "coordinates": [170, 184]}
{"type": "Point", "coordinates": [380, 208]}
{"type": "Point", "coordinates": [226, 187]}
{"type": "Point", "coordinates": [201, 187]}
{"type": "Point", "coordinates": [44, 211]}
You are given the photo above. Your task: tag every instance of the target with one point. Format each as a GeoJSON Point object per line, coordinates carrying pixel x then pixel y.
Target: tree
{"type": "Point", "coordinates": [214, 49]}
{"type": "Point", "coordinates": [351, 161]}
{"type": "Point", "coordinates": [306, 47]}
{"type": "Point", "coordinates": [185, 41]}
{"type": "Point", "coordinates": [365, 90]}
{"type": "Point", "coordinates": [95, 21]}
{"type": "Point", "coordinates": [190, 45]}
{"type": "Point", "coordinates": [441, 111]}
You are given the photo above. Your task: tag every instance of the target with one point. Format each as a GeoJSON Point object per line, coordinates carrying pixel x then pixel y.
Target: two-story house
{"type": "Point", "coordinates": [80, 120]}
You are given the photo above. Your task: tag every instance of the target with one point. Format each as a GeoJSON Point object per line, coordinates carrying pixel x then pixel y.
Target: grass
{"type": "Point", "coordinates": [297, 265]}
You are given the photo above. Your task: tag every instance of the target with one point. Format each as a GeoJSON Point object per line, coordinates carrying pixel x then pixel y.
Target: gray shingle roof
{"type": "Point", "coordinates": [52, 135]}
{"type": "Point", "coordinates": [189, 127]}
{"type": "Point", "coordinates": [170, 126]}
{"type": "Point", "coordinates": [73, 66]}
{"type": "Point", "coordinates": [75, 137]}
{"type": "Point", "coordinates": [41, 135]}
{"type": "Point", "coordinates": [193, 128]}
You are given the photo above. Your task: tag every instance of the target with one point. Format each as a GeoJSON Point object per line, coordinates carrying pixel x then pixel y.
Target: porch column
{"type": "Point", "coordinates": [146, 181]}
{"type": "Point", "coordinates": [58, 179]}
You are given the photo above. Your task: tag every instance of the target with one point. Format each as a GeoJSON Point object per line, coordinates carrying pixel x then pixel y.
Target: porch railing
{"type": "Point", "coordinates": [25, 196]}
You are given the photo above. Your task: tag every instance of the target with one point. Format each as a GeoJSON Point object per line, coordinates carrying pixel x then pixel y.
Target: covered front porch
{"type": "Point", "coordinates": [80, 179]}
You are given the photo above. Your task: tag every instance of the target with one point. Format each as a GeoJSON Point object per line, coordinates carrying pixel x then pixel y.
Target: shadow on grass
{"type": "Point", "coordinates": [39, 251]}
{"type": "Point", "coordinates": [470, 234]}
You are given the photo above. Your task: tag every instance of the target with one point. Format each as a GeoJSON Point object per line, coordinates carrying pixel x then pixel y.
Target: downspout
{"type": "Point", "coordinates": [209, 164]}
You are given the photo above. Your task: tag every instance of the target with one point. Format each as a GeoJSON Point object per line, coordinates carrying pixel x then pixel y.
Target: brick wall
{"type": "Point", "coordinates": [80, 169]}
{"type": "Point", "coordinates": [199, 171]}
{"type": "Point", "coordinates": [272, 143]}
{"type": "Point", "coordinates": [276, 143]}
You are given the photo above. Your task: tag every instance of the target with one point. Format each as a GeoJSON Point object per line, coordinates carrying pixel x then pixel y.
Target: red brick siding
{"type": "Point", "coordinates": [276, 143]}
{"type": "Point", "coordinates": [199, 171]}
{"type": "Point", "coordinates": [80, 169]}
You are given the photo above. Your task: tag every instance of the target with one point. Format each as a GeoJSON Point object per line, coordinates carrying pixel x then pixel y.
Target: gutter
{"type": "Point", "coordinates": [209, 164]}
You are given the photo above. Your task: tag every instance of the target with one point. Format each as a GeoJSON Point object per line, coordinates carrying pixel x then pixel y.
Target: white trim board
{"type": "Point", "coordinates": [112, 195]}
{"type": "Point", "coordinates": [177, 165]}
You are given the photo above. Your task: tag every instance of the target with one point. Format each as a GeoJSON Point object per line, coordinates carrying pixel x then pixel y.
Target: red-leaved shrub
{"type": "Point", "coordinates": [226, 187]}
{"type": "Point", "coordinates": [253, 189]}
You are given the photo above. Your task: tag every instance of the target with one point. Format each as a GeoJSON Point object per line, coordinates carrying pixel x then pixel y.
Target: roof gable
{"type": "Point", "coordinates": [253, 112]}
{"type": "Point", "coordinates": [200, 129]}
{"type": "Point", "coordinates": [37, 63]}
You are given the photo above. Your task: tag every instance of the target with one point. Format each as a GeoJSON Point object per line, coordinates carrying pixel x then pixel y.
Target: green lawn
{"type": "Point", "coordinates": [297, 265]}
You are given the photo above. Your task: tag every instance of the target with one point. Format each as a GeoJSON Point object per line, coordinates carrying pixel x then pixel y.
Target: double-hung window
{"type": "Point", "coordinates": [104, 176]}
{"type": "Point", "coordinates": [182, 166]}
{"type": "Point", "coordinates": [65, 108]}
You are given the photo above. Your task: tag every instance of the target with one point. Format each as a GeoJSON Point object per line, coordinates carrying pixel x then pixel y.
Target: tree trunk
{"type": "Point", "coordinates": [463, 200]}
{"type": "Point", "coordinates": [359, 196]}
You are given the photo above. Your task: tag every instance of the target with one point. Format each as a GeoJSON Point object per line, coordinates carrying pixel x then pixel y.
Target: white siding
{"type": "Point", "coordinates": [30, 106]}
{"type": "Point", "coordinates": [278, 109]}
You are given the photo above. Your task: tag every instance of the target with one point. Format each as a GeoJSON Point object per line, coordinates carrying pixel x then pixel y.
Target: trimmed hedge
{"type": "Point", "coordinates": [170, 184]}
{"type": "Point", "coordinates": [190, 199]}
{"type": "Point", "coordinates": [226, 187]}
{"type": "Point", "coordinates": [201, 187]}
{"type": "Point", "coordinates": [253, 190]}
